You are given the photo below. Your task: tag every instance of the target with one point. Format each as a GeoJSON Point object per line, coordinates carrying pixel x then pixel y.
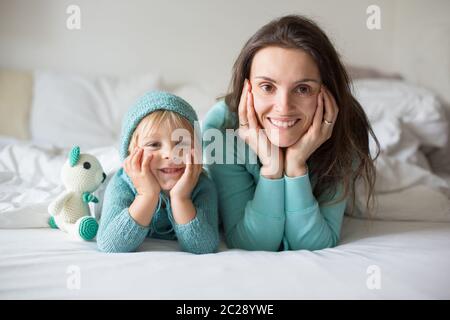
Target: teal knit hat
{"type": "Point", "coordinates": [152, 101]}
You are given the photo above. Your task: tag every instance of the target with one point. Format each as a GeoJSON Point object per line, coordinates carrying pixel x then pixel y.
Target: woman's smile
{"type": "Point", "coordinates": [281, 123]}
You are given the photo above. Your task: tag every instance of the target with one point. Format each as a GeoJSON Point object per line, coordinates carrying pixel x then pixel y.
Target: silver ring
{"type": "Point", "coordinates": [327, 122]}
{"type": "Point", "coordinates": [243, 124]}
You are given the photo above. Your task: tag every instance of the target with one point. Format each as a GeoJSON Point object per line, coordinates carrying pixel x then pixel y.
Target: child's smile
{"type": "Point", "coordinates": [167, 165]}
{"type": "Point", "coordinates": [169, 174]}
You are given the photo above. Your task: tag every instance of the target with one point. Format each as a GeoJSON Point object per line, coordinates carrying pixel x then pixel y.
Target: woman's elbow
{"type": "Point", "coordinates": [331, 243]}
{"type": "Point", "coordinates": [319, 244]}
{"type": "Point", "coordinates": [272, 245]}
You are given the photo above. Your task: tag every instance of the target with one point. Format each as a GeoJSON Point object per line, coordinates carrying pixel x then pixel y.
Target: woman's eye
{"type": "Point", "coordinates": [266, 88]}
{"type": "Point", "coordinates": [304, 90]}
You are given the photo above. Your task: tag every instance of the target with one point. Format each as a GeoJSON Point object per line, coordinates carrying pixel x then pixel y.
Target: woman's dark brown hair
{"type": "Point", "coordinates": [344, 157]}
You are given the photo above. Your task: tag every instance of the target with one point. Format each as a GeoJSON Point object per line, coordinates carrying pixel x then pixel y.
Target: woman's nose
{"type": "Point", "coordinates": [282, 103]}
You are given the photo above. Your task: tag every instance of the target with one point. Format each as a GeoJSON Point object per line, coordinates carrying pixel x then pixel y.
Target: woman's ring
{"type": "Point", "coordinates": [327, 122]}
{"type": "Point", "coordinates": [243, 124]}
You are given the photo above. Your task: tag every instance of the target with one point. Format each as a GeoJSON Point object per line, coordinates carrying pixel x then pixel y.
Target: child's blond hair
{"type": "Point", "coordinates": [168, 120]}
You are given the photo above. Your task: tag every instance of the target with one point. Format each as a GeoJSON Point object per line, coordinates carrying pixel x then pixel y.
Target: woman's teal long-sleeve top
{"type": "Point", "coordinates": [260, 213]}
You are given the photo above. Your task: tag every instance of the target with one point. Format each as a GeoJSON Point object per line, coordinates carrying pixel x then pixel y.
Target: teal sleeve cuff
{"type": "Point", "coordinates": [298, 192]}
{"type": "Point", "coordinates": [197, 236]}
{"type": "Point", "coordinates": [269, 197]}
{"type": "Point", "coordinates": [123, 234]}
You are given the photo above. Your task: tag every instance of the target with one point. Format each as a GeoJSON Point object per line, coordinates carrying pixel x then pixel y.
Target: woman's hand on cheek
{"type": "Point", "coordinates": [320, 131]}
{"type": "Point", "coordinates": [137, 167]}
{"type": "Point", "coordinates": [271, 156]}
{"type": "Point", "coordinates": [183, 188]}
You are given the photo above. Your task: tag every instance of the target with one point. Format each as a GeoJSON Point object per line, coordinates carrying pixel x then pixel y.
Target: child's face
{"type": "Point", "coordinates": [169, 155]}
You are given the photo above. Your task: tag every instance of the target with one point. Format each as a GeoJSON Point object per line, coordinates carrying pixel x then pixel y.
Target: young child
{"type": "Point", "coordinates": [160, 192]}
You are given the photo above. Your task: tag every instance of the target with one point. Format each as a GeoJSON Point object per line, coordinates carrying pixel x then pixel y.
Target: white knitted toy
{"type": "Point", "coordinates": [81, 174]}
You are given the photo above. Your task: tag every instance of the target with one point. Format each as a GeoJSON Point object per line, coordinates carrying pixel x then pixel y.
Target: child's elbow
{"type": "Point", "coordinates": [203, 251]}
{"type": "Point", "coordinates": [205, 247]}
{"type": "Point", "coordinates": [113, 249]}
{"type": "Point", "coordinates": [106, 249]}
{"type": "Point", "coordinates": [111, 246]}
{"type": "Point", "coordinates": [214, 247]}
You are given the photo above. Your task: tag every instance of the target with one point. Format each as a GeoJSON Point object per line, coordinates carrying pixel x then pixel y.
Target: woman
{"type": "Point", "coordinates": [290, 100]}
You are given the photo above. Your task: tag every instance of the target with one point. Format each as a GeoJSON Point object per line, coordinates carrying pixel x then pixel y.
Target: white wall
{"type": "Point", "coordinates": [422, 43]}
{"type": "Point", "coordinates": [198, 40]}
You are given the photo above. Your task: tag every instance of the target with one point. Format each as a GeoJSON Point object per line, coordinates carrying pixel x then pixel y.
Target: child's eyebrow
{"type": "Point", "coordinates": [150, 137]}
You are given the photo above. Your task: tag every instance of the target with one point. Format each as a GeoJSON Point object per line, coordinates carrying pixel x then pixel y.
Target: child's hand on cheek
{"type": "Point", "coordinates": [184, 186]}
{"type": "Point", "coordinates": [137, 167]}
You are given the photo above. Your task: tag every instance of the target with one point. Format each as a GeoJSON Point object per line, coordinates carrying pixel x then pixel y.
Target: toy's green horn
{"type": "Point", "coordinates": [74, 155]}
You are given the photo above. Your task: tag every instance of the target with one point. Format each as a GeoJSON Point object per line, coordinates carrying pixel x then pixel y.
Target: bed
{"type": "Point", "coordinates": [401, 253]}
{"type": "Point", "coordinates": [411, 259]}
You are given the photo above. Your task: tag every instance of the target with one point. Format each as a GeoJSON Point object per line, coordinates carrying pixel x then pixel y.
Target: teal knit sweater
{"type": "Point", "coordinates": [265, 214]}
{"type": "Point", "coordinates": [119, 232]}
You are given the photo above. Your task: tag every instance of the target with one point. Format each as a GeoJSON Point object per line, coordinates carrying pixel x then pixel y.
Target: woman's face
{"type": "Point", "coordinates": [285, 85]}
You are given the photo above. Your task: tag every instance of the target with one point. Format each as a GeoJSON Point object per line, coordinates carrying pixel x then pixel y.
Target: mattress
{"type": "Point", "coordinates": [375, 260]}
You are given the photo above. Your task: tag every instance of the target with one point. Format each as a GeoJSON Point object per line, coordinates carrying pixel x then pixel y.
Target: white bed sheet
{"type": "Point", "coordinates": [413, 259]}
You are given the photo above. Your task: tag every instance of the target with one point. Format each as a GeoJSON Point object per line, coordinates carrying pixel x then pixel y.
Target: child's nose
{"type": "Point", "coordinates": [166, 153]}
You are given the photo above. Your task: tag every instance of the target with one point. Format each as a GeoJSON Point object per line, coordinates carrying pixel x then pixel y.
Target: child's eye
{"type": "Point", "coordinates": [153, 144]}
{"type": "Point", "coordinates": [304, 90]}
{"type": "Point", "coordinates": [268, 88]}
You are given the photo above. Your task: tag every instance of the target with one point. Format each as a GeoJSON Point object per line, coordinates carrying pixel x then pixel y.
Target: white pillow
{"type": "Point", "coordinates": [398, 142]}
{"type": "Point", "coordinates": [405, 118]}
{"type": "Point", "coordinates": [418, 203]}
{"type": "Point", "coordinates": [416, 107]}
{"type": "Point", "coordinates": [404, 191]}
{"type": "Point", "coordinates": [70, 109]}
{"type": "Point", "coordinates": [200, 98]}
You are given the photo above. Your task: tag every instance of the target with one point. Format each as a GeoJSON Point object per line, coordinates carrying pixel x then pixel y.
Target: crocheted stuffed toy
{"type": "Point", "coordinates": [81, 174]}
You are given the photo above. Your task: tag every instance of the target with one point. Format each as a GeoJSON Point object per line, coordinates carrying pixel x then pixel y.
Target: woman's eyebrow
{"type": "Point", "coordinates": [298, 81]}
{"type": "Point", "coordinates": [308, 80]}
